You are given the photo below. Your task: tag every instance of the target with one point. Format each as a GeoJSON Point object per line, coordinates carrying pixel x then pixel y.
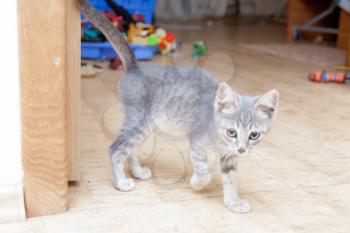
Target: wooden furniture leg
{"type": "Point", "coordinates": [344, 30]}
{"type": "Point", "coordinates": [73, 87]}
{"type": "Point", "coordinates": [348, 52]}
{"type": "Point", "coordinates": [301, 11]}
{"type": "Point", "coordinates": [49, 81]}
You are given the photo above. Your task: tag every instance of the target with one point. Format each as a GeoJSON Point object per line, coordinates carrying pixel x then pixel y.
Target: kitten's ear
{"type": "Point", "coordinates": [225, 100]}
{"type": "Point", "coordinates": [266, 105]}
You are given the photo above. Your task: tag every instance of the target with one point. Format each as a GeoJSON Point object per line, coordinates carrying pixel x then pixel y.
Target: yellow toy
{"type": "Point", "coordinates": [138, 33]}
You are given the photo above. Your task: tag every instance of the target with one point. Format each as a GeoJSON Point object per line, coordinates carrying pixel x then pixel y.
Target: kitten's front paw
{"type": "Point", "coordinates": [125, 185]}
{"type": "Point", "coordinates": [238, 206]}
{"type": "Point", "coordinates": [143, 173]}
{"type": "Point", "coordinates": [199, 182]}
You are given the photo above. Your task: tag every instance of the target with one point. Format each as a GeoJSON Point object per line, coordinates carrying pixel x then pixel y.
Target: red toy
{"type": "Point", "coordinates": [324, 76]}
{"type": "Point", "coordinates": [115, 63]}
{"type": "Point", "coordinates": [115, 19]}
{"type": "Point", "coordinates": [170, 37]}
{"type": "Point", "coordinates": [167, 41]}
{"type": "Point", "coordinates": [138, 18]}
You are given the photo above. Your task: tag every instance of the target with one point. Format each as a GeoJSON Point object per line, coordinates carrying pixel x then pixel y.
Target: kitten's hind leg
{"type": "Point", "coordinates": [132, 133]}
{"type": "Point", "coordinates": [139, 172]}
{"type": "Point", "coordinates": [201, 173]}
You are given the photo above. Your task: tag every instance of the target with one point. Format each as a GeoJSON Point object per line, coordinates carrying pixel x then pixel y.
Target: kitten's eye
{"type": "Point", "coordinates": [231, 133]}
{"type": "Point", "coordinates": [254, 135]}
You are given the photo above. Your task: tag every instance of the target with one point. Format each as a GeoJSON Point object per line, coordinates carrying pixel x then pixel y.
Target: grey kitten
{"type": "Point", "coordinates": [188, 99]}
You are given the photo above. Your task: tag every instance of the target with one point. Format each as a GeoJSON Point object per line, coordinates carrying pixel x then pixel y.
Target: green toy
{"type": "Point", "coordinates": [153, 40]}
{"type": "Point", "coordinates": [199, 48]}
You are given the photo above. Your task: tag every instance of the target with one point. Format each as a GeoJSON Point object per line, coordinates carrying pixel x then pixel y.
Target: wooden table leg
{"type": "Point", "coordinates": [45, 100]}
{"type": "Point", "coordinates": [348, 53]}
{"type": "Point", "coordinates": [73, 78]}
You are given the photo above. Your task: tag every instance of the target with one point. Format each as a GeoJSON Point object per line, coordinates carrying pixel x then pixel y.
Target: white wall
{"type": "Point", "coordinates": [10, 150]}
{"type": "Point", "coordinates": [11, 199]}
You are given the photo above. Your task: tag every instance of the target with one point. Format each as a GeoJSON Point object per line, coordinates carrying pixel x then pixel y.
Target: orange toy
{"type": "Point", "coordinates": [324, 76]}
{"type": "Point", "coordinates": [167, 41]}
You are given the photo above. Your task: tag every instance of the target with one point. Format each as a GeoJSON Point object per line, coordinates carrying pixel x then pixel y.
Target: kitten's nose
{"type": "Point", "coordinates": [241, 150]}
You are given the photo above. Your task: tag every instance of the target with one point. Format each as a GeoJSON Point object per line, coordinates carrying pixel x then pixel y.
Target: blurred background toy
{"type": "Point", "coordinates": [92, 35]}
{"type": "Point", "coordinates": [153, 40]}
{"type": "Point", "coordinates": [138, 33]}
{"type": "Point", "coordinates": [326, 77]}
{"type": "Point", "coordinates": [117, 20]}
{"type": "Point", "coordinates": [115, 63]}
{"type": "Point", "coordinates": [121, 11]}
{"type": "Point", "coordinates": [138, 17]}
{"type": "Point", "coordinates": [200, 48]}
{"type": "Point", "coordinates": [89, 70]}
{"type": "Point", "coordinates": [167, 41]}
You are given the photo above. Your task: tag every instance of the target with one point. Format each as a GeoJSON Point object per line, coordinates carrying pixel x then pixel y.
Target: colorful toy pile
{"type": "Point", "coordinates": [147, 34]}
{"type": "Point", "coordinates": [144, 37]}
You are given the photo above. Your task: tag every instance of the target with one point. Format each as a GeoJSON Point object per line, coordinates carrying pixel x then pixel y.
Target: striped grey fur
{"type": "Point", "coordinates": [189, 100]}
{"type": "Point", "coordinates": [228, 163]}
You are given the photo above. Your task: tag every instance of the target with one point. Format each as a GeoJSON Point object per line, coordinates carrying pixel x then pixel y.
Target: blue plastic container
{"type": "Point", "coordinates": [143, 7]}
{"type": "Point", "coordinates": [104, 50]}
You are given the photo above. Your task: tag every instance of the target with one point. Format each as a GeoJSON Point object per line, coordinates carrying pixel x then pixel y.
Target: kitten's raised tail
{"type": "Point", "coordinates": [109, 30]}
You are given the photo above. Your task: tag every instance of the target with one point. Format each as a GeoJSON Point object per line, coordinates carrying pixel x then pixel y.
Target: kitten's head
{"type": "Point", "coordinates": [241, 120]}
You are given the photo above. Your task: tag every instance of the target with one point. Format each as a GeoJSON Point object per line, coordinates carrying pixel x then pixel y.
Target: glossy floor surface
{"type": "Point", "coordinates": [297, 180]}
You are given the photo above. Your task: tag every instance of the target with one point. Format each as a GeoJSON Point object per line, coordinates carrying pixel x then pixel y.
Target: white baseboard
{"type": "Point", "coordinates": [11, 203]}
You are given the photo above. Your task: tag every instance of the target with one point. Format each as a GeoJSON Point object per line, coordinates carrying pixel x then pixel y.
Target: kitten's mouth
{"type": "Point", "coordinates": [234, 150]}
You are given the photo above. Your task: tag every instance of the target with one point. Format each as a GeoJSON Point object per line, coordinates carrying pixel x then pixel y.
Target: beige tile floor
{"type": "Point", "coordinates": [297, 180]}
